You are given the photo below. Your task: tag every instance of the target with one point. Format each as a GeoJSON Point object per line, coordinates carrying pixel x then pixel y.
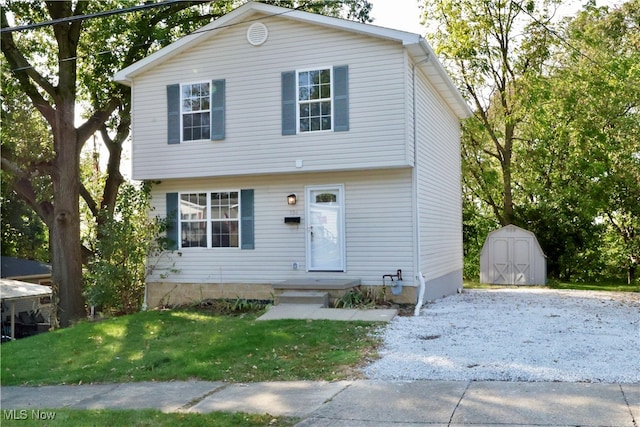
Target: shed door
{"type": "Point", "coordinates": [521, 265]}
{"type": "Point", "coordinates": [511, 260]}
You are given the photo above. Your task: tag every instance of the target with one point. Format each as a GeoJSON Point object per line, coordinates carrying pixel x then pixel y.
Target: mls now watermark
{"type": "Point", "coordinates": [24, 414]}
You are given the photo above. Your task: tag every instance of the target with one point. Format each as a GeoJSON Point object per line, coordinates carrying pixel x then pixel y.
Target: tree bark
{"type": "Point", "coordinates": [66, 254]}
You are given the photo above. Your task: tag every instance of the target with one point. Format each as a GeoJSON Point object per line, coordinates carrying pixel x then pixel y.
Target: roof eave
{"type": "Point", "coordinates": [426, 59]}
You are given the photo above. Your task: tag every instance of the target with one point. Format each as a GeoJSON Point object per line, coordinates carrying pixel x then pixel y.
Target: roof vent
{"type": "Point", "coordinates": [257, 34]}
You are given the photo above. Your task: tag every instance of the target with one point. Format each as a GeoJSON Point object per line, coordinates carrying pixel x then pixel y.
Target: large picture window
{"type": "Point", "coordinates": [209, 220]}
{"type": "Point", "coordinates": [314, 100]}
{"type": "Point", "coordinates": [196, 111]}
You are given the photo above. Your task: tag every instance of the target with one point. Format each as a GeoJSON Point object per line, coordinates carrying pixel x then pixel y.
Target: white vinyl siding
{"type": "Point", "coordinates": [253, 143]}
{"type": "Point", "coordinates": [379, 230]}
{"type": "Point", "coordinates": [438, 183]}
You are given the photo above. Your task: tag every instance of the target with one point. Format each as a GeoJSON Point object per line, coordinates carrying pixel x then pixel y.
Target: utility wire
{"type": "Point", "coordinates": [114, 12]}
{"type": "Point", "coordinates": [129, 10]}
{"type": "Point", "coordinates": [90, 16]}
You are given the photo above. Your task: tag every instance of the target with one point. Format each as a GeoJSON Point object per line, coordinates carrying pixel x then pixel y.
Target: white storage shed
{"type": "Point", "coordinates": [512, 256]}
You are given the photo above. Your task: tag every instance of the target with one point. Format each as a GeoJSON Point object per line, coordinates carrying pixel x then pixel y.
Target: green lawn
{"type": "Point", "coordinates": [601, 286]}
{"type": "Point", "coordinates": [140, 418]}
{"type": "Point", "coordinates": [183, 344]}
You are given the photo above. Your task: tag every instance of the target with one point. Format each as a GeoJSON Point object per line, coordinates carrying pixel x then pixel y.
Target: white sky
{"type": "Point", "coordinates": [404, 14]}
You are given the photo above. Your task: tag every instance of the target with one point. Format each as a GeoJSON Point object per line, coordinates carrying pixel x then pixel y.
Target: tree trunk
{"type": "Point", "coordinates": [64, 234]}
{"type": "Point", "coordinates": [507, 207]}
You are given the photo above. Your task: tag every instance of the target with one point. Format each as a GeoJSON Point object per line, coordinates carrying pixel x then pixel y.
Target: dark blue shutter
{"type": "Point", "coordinates": [173, 114]}
{"type": "Point", "coordinates": [172, 221]}
{"type": "Point", "coordinates": [289, 101]}
{"type": "Point", "coordinates": [217, 109]}
{"type": "Point", "coordinates": [247, 239]}
{"type": "Point", "coordinates": [341, 98]}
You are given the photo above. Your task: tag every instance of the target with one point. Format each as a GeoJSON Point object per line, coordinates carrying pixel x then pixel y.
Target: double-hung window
{"type": "Point", "coordinates": [209, 220]}
{"type": "Point", "coordinates": [196, 111]}
{"type": "Point", "coordinates": [314, 100]}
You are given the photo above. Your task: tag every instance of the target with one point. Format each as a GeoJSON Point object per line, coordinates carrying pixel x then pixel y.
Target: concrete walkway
{"type": "Point", "coordinates": [315, 312]}
{"type": "Point", "coordinates": [359, 402]}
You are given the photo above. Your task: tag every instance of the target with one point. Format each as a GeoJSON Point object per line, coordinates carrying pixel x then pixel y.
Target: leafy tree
{"type": "Point", "coordinates": [117, 272]}
{"type": "Point", "coordinates": [582, 140]}
{"type": "Point", "coordinates": [482, 43]}
{"type": "Point", "coordinates": [553, 144]}
{"type": "Point", "coordinates": [476, 225]}
{"type": "Point", "coordinates": [57, 66]}
{"type": "Point", "coordinates": [23, 233]}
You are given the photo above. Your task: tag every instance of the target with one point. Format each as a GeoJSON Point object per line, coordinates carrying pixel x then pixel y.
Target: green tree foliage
{"type": "Point", "coordinates": [582, 145]}
{"type": "Point", "coordinates": [22, 132]}
{"type": "Point", "coordinates": [117, 271]}
{"type": "Point", "coordinates": [553, 143]}
{"type": "Point", "coordinates": [482, 43]}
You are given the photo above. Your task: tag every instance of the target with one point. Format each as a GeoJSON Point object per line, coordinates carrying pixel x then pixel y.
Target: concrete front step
{"type": "Point", "coordinates": [303, 297]}
{"type": "Point", "coordinates": [316, 284]}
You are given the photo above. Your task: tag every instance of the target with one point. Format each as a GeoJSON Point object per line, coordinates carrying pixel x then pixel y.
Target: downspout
{"type": "Point", "coordinates": [416, 226]}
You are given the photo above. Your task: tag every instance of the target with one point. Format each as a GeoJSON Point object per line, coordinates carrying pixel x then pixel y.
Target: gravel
{"type": "Point", "coordinates": [524, 334]}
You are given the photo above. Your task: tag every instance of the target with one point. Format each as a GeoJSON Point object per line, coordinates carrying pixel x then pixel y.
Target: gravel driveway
{"type": "Point", "coordinates": [523, 334]}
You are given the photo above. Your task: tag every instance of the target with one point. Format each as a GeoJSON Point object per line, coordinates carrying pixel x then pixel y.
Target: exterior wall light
{"type": "Point", "coordinates": [291, 199]}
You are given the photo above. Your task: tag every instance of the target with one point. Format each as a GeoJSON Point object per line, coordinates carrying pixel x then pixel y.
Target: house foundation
{"type": "Point", "coordinates": [164, 294]}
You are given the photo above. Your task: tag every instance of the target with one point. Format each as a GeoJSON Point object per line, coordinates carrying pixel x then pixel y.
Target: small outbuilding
{"type": "Point", "coordinates": [512, 256]}
{"type": "Point", "coordinates": [25, 293]}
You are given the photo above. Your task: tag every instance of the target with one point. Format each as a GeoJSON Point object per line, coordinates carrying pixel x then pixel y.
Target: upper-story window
{"type": "Point", "coordinates": [196, 111]}
{"type": "Point", "coordinates": [314, 100]}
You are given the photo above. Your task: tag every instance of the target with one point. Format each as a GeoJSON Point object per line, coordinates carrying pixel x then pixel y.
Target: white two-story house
{"type": "Point", "coordinates": [290, 146]}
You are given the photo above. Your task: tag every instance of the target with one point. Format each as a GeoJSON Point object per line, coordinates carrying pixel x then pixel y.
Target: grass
{"type": "Point", "coordinates": [189, 344]}
{"type": "Point", "coordinates": [137, 418]}
{"type": "Point", "coordinates": [603, 286]}
{"type": "Point", "coordinates": [554, 284]}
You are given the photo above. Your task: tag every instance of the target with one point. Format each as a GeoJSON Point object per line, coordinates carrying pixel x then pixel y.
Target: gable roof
{"type": "Point", "coordinates": [417, 47]}
{"type": "Point", "coordinates": [512, 231]}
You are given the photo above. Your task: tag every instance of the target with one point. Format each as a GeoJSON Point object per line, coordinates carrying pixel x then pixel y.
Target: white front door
{"type": "Point", "coordinates": [325, 228]}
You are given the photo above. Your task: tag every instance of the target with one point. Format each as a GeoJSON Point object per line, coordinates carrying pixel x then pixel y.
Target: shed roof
{"type": "Point", "coordinates": [417, 47]}
{"type": "Point", "coordinates": [16, 290]}
{"type": "Point", "coordinates": [22, 268]}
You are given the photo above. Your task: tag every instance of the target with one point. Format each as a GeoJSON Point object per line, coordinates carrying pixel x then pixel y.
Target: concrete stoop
{"type": "Point", "coordinates": [312, 291]}
{"type": "Point", "coordinates": [303, 297]}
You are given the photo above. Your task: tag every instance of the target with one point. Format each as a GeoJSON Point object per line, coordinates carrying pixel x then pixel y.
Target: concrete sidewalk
{"type": "Point", "coordinates": [316, 312]}
{"type": "Point", "coordinates": [359, 402]}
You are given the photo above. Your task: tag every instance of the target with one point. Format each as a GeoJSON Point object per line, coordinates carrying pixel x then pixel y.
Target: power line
{"type": "Point", "coordinates": [89, 16]}
{"type": "Point", "coordinates": [199, 31]}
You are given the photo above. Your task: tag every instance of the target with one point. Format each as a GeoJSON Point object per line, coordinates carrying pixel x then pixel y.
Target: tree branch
{"type": "Point", "coordinates": [22, 186]}
{"type": "Point", "coordinates": [97, 119]}
{"type": "Point", "coordinates": [25, 74]}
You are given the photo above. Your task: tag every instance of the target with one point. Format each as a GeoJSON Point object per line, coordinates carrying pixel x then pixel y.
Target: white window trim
{"type": "Point", "coordinates": [182, 113]}
{"type": "Point", "coordinates": [209, 220]}
{"type": "Point", "coordinates": [302, 70]}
